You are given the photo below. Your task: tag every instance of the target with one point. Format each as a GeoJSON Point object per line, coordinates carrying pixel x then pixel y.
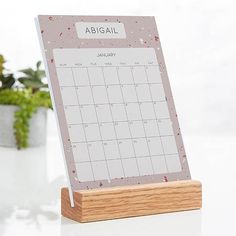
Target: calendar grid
{"type": "Point", "coordinates": [120, 118]}
{"type": "Point", "coordinates": [96, 104]}
{"type": "Point", "coordinates": [83, 126]}
{"type": "Point", "coordinates": [134, 84]}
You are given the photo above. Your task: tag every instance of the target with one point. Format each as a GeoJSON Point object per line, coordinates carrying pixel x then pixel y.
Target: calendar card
{"type": "Point", "coordinates": [113, 101]}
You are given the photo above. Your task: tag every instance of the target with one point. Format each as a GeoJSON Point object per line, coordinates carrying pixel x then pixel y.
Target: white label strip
{"type": "Point", "coordinates": [100, 30]}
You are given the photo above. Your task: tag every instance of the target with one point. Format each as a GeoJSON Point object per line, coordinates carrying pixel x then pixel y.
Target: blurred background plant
{"type": "Point", "coordinates": [28, 92]}
{"type": "Point", "coordinates": [6, 79]}
{"type": "Point", "coordinates": [33, 78]}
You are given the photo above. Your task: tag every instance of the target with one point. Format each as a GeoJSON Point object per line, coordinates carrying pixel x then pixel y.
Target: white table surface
{"type": "Point", "coordinates": [211, 159]}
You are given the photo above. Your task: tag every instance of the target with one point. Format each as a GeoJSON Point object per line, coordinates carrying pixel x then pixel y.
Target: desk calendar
{"type": "Point", "coordinates": [114, 106]}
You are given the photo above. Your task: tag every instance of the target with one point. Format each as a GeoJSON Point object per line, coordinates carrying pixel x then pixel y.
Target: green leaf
{"type": "Point", "coordinates": [33, 78]}
{"type": "Point", "coordinates": [29, 72]}
{"type": "Point", "coordinates": [40, 74]}
{"type": "Point", "coordinates": [31, 83]}
{"type": "Point", "coordinates": [7, 81]}
{"type": "Point", "coordinates": [38, 64]}
{"type": "Point", "coordinates": [2, 61]}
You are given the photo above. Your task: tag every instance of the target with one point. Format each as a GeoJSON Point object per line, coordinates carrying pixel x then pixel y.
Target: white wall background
{"type": "Point", "coordinates": [198, 39]}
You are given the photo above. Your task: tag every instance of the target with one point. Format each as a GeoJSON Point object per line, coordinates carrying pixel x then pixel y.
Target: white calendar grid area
{"type": "Point", "coordinates": [118, 121]}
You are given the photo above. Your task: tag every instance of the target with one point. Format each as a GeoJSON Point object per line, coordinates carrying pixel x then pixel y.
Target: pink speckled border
{"type": "Point", "coordinates": [60, 32]}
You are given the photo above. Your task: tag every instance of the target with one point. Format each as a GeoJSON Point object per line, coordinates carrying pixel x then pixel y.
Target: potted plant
{"type": "Point", "coordinates": [23, 107]}
{"type": "Point", "coordinates": [24, 101]}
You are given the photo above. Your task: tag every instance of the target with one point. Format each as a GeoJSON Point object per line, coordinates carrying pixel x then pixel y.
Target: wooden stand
{"type": "Point", "coordinates": [127, 201]}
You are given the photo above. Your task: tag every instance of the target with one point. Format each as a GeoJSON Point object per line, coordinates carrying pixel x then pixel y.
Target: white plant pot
{"type": "Point", "coordinates": [37, 125]}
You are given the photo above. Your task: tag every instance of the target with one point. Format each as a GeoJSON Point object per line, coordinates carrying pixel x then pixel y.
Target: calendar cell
{"type": "Point", "coordinates": [159, 164]}
{"type": "Point", "coordinates": [76, 133]}
{"type": "Point", "coordinates": [69, 96]}
{"type": "Point", "coordinates": [95, 76]}
{"type": "Point", "coordinates": [162, 110]}
{"type": "Point", "coordinates": [133, 111]}
{"type": "Point", "coordinates": [84, 172]}
{"type": "Point", "coordinates": [151, 128]}
{"type": "Point", "coordinates": [169, 145]}
{"type": "Point", "coordinates": [145, 166]}
{"type": "Point", "coordinates": [92, 132]}
{"type": "Point", "coordinates": [104, 113]}
{"type": "Point", "coordinates": [80, 151]}
{"type": "Point", "coordinates": [129, 93]}
{"type": "Point", "coordinates": [85, 96]}
{"type": "Point", "coordinates": [126, 148]}
{"type": "Point", "coordinates": [153, 74]}
{"type": "Point", "coordinates": [107, 131]}
{"type": "Point", "coordinates": [122, 130]}
{"type": "Point", "coordinates": [136, 128]}
{"type": "Point", "coordinates": [130, 167]}
{"type": "Point", "coordinates": [81, 76]}
{"type": "Point", "coordinates": [110, 75]}
{"type": "Point", "coordinates": [143, 93]}
{"type": "Point", "coordinates": [73, 115]}
{"type": "Point", "coordinates": [118, 112]}
{"type": "Point", "coordinates": [147, 110]}
{"type": "Point", "coordinates": [114, 94]}
{"type": "Point", "coordinates": [141, 147]}
{"type": "Point", "coordinates": [88, 113]}
{"type": "Point", "coordinates": [155, 146]}
{"type": "Point", "coordinates": [173, 163]}
{"type": "Point", "coordinates": [165, 127]}
{"type": "Point", "coordinates": [139, 75]}
{"type": "Point", "coordinates": [99, 94]}
{"type": "Point", "coordinates": [115, 169]}
{"type": "Point", "coordinates": [157, 91]}
{"type": "Point", "coordinates": [100, 170]}
{"type": "Point", "coordinates": [65, 77]}
{"type": "Point", "coordinates": [111, 149]}
{"type": "Point", "coordinates": [125, 75]}
{"type": "Point", "coordinates": [96, 151]}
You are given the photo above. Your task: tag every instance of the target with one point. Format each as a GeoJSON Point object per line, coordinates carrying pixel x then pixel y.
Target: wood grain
{"type": "Point", "coordinates": [136, 200]}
